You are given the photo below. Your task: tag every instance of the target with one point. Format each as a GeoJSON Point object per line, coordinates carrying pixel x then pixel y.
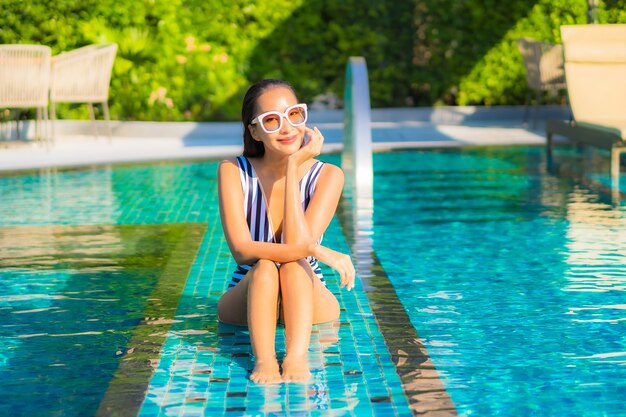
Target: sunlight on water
{"type": "Point", "coordinates": [515, 280]}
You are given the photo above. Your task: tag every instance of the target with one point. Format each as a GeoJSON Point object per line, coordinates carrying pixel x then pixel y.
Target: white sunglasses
{"type": "Point", "coordinates": [272, 121]}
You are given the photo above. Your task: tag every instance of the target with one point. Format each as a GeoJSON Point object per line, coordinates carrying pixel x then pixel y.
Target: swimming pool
{"type": "Point", "coordinates": [513, 279]}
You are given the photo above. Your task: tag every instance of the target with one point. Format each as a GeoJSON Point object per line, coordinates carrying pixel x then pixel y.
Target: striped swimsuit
{"type": "Point", "coordinates": [255, 208]}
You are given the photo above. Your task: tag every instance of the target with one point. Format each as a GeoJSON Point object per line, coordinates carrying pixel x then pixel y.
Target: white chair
{"type": "Point", "coordinates": [83, 76]}
{"type": "Point", "coordinates": [595, 66]}
{"type": "Point", "coordinates": [25, 81]}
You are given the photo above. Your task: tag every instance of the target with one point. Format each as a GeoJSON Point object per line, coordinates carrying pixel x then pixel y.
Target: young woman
{"type": "Point", "coordinates": [275, 204]}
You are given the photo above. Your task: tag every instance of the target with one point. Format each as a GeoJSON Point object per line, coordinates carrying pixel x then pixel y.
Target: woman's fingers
{"type": "Point", "coordinates": [319, 134]}
{"type": "Point", "coordinates": [347, 275]}
{"type": "Point", "coordinates": [347, 282]}
{"type": "Point", "coordinates": [316, 140]}
{"type": "Point", "coordinates": [341, 263]}
{"type": "Point", "coordinates": [350, 283]}
{"type": "Point", "coordinates": [313, 132]}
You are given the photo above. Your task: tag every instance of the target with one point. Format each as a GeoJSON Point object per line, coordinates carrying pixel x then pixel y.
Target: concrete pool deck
{"type": "Point", "coordinates": [75, 144]}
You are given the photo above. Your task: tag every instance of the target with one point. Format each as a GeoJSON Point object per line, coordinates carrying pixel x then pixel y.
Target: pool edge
{"type": "Point", "coordinates": [421, 384]}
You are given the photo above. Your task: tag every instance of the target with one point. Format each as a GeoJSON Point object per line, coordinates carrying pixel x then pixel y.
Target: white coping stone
{"type": "Point", "coordinates": [85, 150]}
{"type": "Point", "coordinates": [154, 141]}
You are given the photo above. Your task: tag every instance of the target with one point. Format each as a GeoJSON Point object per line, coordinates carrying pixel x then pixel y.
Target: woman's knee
{"type": "Point", "coordinates": [266, 264]}
{"type": "Point", "coordinates": [295, 273]}
{"type": "Point", "coordinates": [298, 266]}
{"type": "Point", "coordinates": [266, 272]}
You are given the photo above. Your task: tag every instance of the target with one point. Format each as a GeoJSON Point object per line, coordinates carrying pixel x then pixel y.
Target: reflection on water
{"type": "Point", "coordinates": [596, 246]}
{"type": "Point", "coordinates": [73, 303]}
{"type": "Point", "coordinates": [514, 278]}
{"type": "Point", "coordinates": [75, 197]}
{"type": "Point", "coordinates": [590, 166]}
{"type": "Point", "coordinates": [596, 275]}
{"type": "Point", "coordinates": [51, 247]}
{"type": "Point", "coordinates": [208, 356]}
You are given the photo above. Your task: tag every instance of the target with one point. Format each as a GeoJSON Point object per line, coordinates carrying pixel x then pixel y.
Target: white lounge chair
{"type": "Point", "coordinates": [25, 81]}
{"type": "Point", "coordinates": [595, 71]}
{"type": "Point", "coordinates": [83, 76]}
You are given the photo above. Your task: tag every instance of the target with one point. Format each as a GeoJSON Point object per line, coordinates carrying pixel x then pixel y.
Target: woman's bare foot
{"type": "Point", "coordinates": [266, 372]}
{"type": "Point", "coordinates": [296, 369]}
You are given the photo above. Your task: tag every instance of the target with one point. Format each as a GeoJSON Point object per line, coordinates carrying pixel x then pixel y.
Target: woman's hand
{"type": "Point", "coordinates": [338, 261]}
{"type": "Point", "coordinates": [311, 148]}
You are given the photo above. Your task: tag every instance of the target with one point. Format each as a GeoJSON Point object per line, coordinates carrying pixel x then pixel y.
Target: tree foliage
{"type": "Point", "coordinates": [193, 60]}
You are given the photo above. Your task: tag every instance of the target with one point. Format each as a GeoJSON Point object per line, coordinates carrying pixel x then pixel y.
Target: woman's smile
{"type": "Point", "coordinates": [288, 140]}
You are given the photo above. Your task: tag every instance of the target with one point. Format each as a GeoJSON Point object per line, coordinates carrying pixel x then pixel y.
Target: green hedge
{"type": "Point", "coordinates": [466, 52]}
{"type": "Point", "coordinates": [193, 60]}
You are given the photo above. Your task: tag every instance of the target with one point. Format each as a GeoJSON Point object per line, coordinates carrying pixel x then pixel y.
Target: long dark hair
{"type": "Point", "coordinates": [251, 147]}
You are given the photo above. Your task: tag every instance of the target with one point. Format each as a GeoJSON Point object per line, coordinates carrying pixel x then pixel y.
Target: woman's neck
{"type": "Point", "coordinates": [274, 165]}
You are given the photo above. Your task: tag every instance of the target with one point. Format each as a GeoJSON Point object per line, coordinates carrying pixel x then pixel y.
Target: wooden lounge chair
{"type": "Point", "coordinates": [595, 71]}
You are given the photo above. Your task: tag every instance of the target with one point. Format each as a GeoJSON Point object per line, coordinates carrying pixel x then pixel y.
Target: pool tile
{"type": "Point", "coordinates": [203, 366]}
{"type": "Point", "coordinates": [346, 373]}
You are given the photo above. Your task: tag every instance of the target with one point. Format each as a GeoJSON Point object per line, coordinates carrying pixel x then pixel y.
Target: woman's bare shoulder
{"type": "Point", "coordinates": [229, 162]}
{"type": "Point", "coordinates": [228, 167]}
{"type": "Point", "coordinates": [332, 170]}
{"type": "Point", "coordinates": [232, 161]}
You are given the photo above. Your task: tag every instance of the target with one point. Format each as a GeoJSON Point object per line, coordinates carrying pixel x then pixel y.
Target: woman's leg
{"type": "Point", "coordinates": [325, 304]}
{"type": "Point", "coordinates": [254, 301]}
{"type": "Point", "coordinates": [305, 300]}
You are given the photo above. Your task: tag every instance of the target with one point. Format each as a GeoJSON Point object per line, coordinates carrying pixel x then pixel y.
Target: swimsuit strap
{"type": "Point", "coordinates": [254, 204]}
{"type": "Point", "coordinates": [309, 182]}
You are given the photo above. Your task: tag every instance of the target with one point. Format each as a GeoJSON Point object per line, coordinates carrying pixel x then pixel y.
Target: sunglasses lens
{"type": "Point", "coordinates": [297, 115]}
{"type": "Point", "coordinates": [271, 122]}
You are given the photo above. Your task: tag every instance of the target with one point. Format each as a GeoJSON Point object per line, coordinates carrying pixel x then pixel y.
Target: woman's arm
{"type": "Point", "coordinates": [298, 226]}
{"type": "Point", "coordinates": [314, 222]}
{"type": "Point", "coordinates": [295, 226]}
{"type": "Point", "coordinates": [243, 248]}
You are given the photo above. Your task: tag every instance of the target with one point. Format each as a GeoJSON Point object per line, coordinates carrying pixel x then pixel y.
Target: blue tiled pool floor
{"type": "Point", "coordinates": [204, 366]}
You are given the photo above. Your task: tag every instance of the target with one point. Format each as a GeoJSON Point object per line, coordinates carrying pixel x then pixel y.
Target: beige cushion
{"type": "Point", "coordinates": [595, 70]}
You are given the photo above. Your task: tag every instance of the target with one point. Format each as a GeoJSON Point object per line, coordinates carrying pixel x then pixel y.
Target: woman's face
{"type": "Point", "coordinates": [288, 138]}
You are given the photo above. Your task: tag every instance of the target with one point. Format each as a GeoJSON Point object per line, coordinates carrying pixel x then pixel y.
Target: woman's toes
{"type": "Point", "coordinates": [296, 369]}
{"type": "Point", "coordinates": [266, 372]}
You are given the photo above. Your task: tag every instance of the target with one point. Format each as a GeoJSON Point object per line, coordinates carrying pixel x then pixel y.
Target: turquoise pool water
{"type": "Point", "coordinates": [513, 278]}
